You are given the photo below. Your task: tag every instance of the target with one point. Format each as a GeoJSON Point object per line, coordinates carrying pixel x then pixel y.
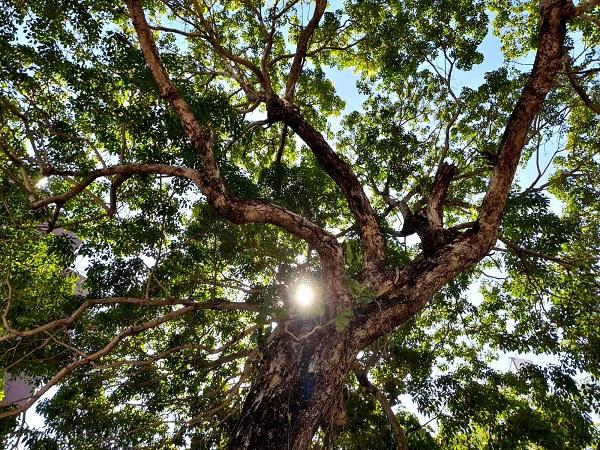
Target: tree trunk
{"type": "Point", "coordinates": [299, 385]}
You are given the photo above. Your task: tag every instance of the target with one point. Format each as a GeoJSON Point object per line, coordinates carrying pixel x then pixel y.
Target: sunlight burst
{"type": "Point", "coordinates": [304, 295]}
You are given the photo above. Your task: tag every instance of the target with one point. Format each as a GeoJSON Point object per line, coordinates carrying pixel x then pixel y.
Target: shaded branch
{"type": "Point", "coordinates": [151, 359]}
{"type": "Point", "coordinates": [117, 181]}
{"type": "Point", "coordinates": [585, 98]}
{"type": "Point", "coordinates": [122, 170]}
{"type": "Point", "coordinates": [397, 430]}
{"type": "Point", "coordinates": [229, 394]}
{"type": "Point", "coordinates": [27, 183]}
{"type": "Point", "coordinates": [342, 174]}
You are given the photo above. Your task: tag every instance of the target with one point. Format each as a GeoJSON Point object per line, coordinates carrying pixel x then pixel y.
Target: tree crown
{"type": "Point", "coordinates": [197, 162]}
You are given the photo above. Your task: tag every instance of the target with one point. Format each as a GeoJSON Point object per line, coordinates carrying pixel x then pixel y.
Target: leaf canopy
{"type": "Point", "coordinates": [76, 95]}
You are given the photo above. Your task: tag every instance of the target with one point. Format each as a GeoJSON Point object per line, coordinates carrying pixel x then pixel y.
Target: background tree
{"type": "Point", "coordinates": [196, 150]}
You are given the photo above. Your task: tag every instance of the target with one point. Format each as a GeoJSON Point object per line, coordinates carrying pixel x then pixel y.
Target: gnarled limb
{"type": "Point", "coordinates": [342, 174]}
{"type": "Point", "coordinates": [209, 180]}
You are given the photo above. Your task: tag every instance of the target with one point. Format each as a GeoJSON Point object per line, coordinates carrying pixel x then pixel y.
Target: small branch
{"type": "Point", "coordinates": [211, 36]}
{"type": "Point", "coordinates": [9, 300]}
{"type": "Point", "coordinates": [590, 19]}
{"type": "Point", "coordinates": [215, 306]}
{"type": "Point", "coordinates": [52, 222]}
{"type": "Point", "coordinates": [228, 397]}
{"type": "Point", "coordinates": [397, 430]}
{"type": "Point", "coordinates": [587, 101]}
{"type": "Point", "coordinates": [117, 181]}
{"type": "Point", "coordinates": [174, 30]}
{"type": "Point", "coordinates": [248, 129]}
{"type": "Point", "coordinates": [304, 336]}
{"type": "Point", "coordinates": [151, 359]}
{"type": "Point", "coordinates": [317, 50]}
{"type": "Point", "coordinates": [281, 147]}
{"type": "Point", "coordinates": [96, 199]}
{"type": "Point", "coordinates": [567, 263]}
{"type": "Point", "coordinates": [27, 183]}
{"type": "Point", "coordinates": [123, 170]}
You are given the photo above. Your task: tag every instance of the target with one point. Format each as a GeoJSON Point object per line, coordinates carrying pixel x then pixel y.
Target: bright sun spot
{"type": "Point", "coordinates": [304, 295]}
{"type": "Point", "coordinates": [42, 183]}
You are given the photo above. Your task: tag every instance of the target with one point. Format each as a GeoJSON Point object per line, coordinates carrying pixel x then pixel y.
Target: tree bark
{"type": "Point", "coordinates": [298, 387]}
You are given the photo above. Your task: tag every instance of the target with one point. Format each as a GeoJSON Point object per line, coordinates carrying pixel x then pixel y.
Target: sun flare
{"type": "Point", "coordinates": [304, 295]}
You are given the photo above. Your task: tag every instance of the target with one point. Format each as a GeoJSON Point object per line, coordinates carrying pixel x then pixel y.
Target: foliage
{"type": "Point", "coordinates": [76, 95]}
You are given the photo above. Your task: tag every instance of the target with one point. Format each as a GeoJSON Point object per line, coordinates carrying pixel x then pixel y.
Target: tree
{"type": "Point", "coordinates": [193, 148]}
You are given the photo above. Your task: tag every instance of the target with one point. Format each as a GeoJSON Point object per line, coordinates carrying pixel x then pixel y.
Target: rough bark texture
{"type": "Point", "coordinates": [298, 386]}
{"type": "Point", "coordinates": [341, 172]}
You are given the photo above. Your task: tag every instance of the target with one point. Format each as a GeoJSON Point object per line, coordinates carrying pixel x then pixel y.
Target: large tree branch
{"type": "Point", "coordinates": [69, 368]}
{"type": "Point", "coordinates": [583, 95]}
{"type": "Point", "coordinates": [302, 47]}
{"type": "Point", "coordinates": [208, 179]}
{"type": "Point", "coordinates": [586, 6]}
{"type": "Point", "coordinates": [406, 291]}
{"type": "Point", "coordinates": [211, 183]}
{"type": "Point", "coordinates": [11, 333]}
{"type": "Point", "coordinates": [342, 174]}
{"type": "Point", "coordinates": [233, 209]}
{"type": "Point", "coordinates": [439, 192]}
{"type": "Point", "coordinates": [397, 430]}
{"type": "Point", "coordinates": [548, 62]}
